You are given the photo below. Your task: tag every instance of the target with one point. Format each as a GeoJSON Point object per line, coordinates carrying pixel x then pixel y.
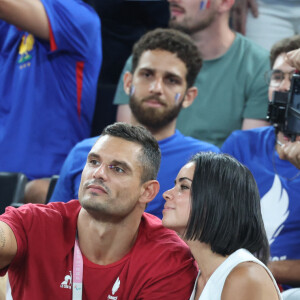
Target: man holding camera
{"type": "Point", "coordinates": [271, 155]}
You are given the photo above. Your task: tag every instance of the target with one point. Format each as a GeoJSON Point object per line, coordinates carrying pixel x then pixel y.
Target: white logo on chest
{"type": "Point", "coordinates": [67, 283]}
{"type": "Point", "coordinates": [115, 289]}
{"type": "Point", "coordinates": [274, 209]}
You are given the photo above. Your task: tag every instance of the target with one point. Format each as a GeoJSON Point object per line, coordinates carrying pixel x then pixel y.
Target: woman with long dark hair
{"type": "Point", "coordinates": [215, 207]}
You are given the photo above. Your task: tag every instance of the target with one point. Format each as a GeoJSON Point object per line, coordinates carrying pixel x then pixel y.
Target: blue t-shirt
{"type": "Point", "coordinates": [176, 150]}
{"type": "Point", "coordinates": [278, 184]}
{"type": "Point", "coordinates": [48, 88]}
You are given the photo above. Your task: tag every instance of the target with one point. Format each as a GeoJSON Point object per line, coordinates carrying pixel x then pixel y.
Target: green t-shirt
{"type": "Point", "coordinates": [230, 89]}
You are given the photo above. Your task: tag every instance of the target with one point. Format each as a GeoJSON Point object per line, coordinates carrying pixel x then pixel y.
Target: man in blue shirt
{"type": "Point", "coordinates": [271, 156]}
{"type": "Point", "coordinates": [50, 57]}
{"type": "Point", "coordinates": [165, 65]}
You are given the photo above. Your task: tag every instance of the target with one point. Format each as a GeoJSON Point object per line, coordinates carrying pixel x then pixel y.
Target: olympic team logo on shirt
{"type": "Point", "coordinates": [275, 209]}
{"type": "Point", "coordinates": [115, 289]}
{"type": "Point", "coordinates": [25, 48]}
{"type": "Point", "coordinates": [67, 283]}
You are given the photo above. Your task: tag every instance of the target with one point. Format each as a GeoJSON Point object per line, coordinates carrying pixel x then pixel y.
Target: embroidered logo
{"type": "Point", "coordinates": [115, 289]}
{"type": "Point", "coordinates": [67, 283]}
{"type": "Point", "coordinates": [25, 47]}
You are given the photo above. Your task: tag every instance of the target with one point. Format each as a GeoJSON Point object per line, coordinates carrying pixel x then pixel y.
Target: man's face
{"type": "Point", "coordinates": [158, 88]}
{"type": "Point", "coordinates": [177, 208]}
{"type": "Point", "coordinates": [111, 179]}
{"type": "Point", "coordinates": [280, 70]}
{"type": "Point", "coordinates": [281, 81]}
{"type": "Point", "coordinates": [191, 16]}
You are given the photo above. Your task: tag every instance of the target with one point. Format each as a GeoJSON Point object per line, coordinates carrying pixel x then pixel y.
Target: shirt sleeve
{"type": "Point", "coordinates": [177, 284]}
{"type": "Point", "coordinates": [231, 145]}
{"type": "Point", "coordinates": [18, 220]}
{"type": "Point", "coordinates": [4, 27]}
{"type": "Point", "coordinates": [215, 149]}
{"type": "Point", "coordinates": [256, 105]}
{"type": "Point", "coordinates": [120, 96]}
{"type": "Point", "coordinates": [73, 25]}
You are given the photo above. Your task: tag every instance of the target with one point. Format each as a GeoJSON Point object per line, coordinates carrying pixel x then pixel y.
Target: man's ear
{"type": "Point", "coordinates": [149, 191]}
{"type": "Point", "coordinates": [225, 6]}
{"type": "Point", "coordinates": [127, 82]}
{"type": "Point", "coordinates": [190, 96]}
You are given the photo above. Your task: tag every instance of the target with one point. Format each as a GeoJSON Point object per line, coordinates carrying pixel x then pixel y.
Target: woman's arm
{"type": "Point", "coordinates": [249, 281]}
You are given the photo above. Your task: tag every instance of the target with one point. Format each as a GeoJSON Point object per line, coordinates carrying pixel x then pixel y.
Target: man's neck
{"type": "Point", "coordinates": [214, 41]}
{"type": "Point", "coordinates": [104, 243]}
{"type": "Point", "coordinates": [161, 133]}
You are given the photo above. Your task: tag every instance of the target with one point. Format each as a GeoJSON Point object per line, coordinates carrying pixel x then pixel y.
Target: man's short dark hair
{"type": "Point", "coordinates": [173, 41]}
{"type": "Point", "coordinates": [150, 156]}
{"type": "Point", "coordinates": [225, 207]}
{"type": "Point", "coordinates": [284, 46]}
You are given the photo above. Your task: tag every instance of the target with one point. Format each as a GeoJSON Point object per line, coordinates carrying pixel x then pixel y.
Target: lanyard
{"type": "Point", "coordinates": [77, 273]}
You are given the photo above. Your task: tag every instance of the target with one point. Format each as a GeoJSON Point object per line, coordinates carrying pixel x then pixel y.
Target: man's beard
{"type": "Point", "coordinates": [187, 28]}
{"type": "Point", "coordinates": [152, 117]}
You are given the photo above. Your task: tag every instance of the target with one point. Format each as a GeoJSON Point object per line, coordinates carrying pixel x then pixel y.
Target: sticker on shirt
{"type": "Point", "coordinates": [67, 283]}
{"type": "Point", "coordinates": [114, 290]}
{"type": "Point", "coordinates": [25, 48]}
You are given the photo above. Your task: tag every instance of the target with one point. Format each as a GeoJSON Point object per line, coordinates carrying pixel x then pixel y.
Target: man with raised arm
{"type": "Point", "coordinates": [272, 154]}
{"type": "Point", "coordinates": [50, 57]}
{"type": "Point", "coordinates": [103, 246]}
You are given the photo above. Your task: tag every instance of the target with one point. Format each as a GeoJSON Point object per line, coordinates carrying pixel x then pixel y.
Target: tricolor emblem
{"type": "Point", "coordinates": [177, 97]}
{"type": "Point", "coordinates": [204, 4]}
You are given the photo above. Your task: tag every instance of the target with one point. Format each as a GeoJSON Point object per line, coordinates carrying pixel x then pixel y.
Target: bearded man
{"type": "Point", "coordinates": [232, 93]}
{"type": "Point", "coordinates": [164, 67]}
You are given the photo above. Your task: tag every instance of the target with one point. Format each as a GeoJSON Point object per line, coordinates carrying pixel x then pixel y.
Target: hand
{"type": "Point", "coordinates": [291, 152]}
{"type": "Point", "coordinates": [239, 14]}
{"type": "Point", "coordinates": [293, 58]}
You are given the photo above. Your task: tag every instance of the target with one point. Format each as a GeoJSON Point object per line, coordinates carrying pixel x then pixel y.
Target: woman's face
{"type": "Point", "coordinates": [177, 207]}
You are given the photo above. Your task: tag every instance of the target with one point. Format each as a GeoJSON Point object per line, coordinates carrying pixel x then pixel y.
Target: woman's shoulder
{"type": "Point", "coordinates": [249, 280]}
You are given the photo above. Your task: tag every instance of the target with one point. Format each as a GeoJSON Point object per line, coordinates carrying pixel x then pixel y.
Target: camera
{"type": "Point", "coordinates": [284, 110]}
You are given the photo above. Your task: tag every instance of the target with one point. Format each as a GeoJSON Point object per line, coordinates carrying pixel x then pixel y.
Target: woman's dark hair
{"type": "Point", "coordinates": [225, 207]}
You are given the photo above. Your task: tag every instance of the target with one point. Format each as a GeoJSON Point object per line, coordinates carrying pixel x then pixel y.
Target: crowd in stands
{"type": "Point", "coordinates": [266, 21]}
{"type": "Point", "coordinates": [230, 85]}
{"type": "Point", "coordinates": [119, 99]}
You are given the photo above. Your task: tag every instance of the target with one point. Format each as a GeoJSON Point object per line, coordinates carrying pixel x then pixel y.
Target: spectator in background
{"type": "Point", "coordinates": [104, 237]}
{"type": "Point", "coordinates": [293, 58]}
{"type": "Point", "coordinates": [232, 92]}
{"type": "Point", "coordinates": [50, 54]}
{"type": "Point", "coordinates": [123, 22]}
{"type": "Point", "coordinates": [214, 207]}
{"type": "Point", "coordinates": [166, 63]}
{"type": "Point", "coordinates": [270, 153]}
{"type": "Point", "coordinates": [266, 21]}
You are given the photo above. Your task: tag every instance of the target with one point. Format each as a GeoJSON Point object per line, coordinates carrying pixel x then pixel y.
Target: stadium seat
{"type": "Point", "coordinates": [12, 186]}
{"type": "Point", "coordinates": [52, 184]}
